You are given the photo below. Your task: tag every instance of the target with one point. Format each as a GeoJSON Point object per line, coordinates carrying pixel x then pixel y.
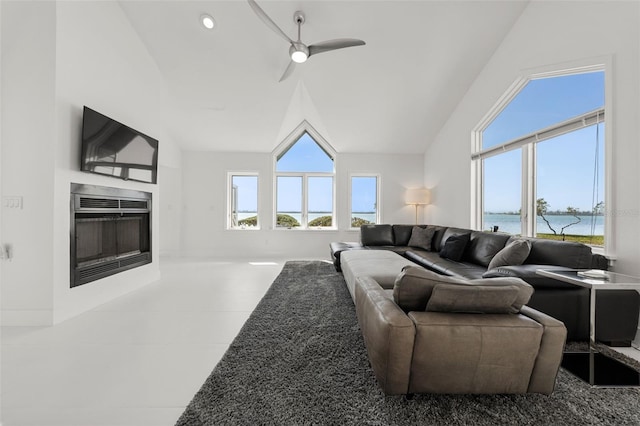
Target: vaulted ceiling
{"type": "Point", "coordinates": [391, 96]}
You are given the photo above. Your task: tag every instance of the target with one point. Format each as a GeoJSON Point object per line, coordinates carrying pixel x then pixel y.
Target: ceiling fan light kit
{"type": "Point", "coordinates": [298, 51]}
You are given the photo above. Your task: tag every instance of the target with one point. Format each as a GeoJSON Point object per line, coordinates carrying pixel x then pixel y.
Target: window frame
{"type": "Point", "coordinates": [230, 176]}
{"type": "Point", "coordinates": [378, 195]}
{"type": "Point", "coordinates": [529, 190]}
{"type": "Point", "coordinates": [280, 150]}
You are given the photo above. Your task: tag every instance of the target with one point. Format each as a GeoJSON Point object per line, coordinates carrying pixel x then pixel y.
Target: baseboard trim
{"type": "Point", "coordinates": [26, 318]}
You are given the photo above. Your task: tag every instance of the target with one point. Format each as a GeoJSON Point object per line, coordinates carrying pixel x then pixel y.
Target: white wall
{"type": "Point", "coordinates": [554, 35]}
{"type": "Point", "coordinates": [170, 187]}
{"type": "Point", "coordinates": [102, 63]}
{"type": "Point", "coordinates": [28, 141]}
{"type": "Point", "coordinates": [204, 198]}
{"type": "Point", "coordinates": [59, 57]}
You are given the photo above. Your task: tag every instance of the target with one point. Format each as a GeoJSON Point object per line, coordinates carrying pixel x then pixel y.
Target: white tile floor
{"type": "Point", "coordinates": [137, 360]}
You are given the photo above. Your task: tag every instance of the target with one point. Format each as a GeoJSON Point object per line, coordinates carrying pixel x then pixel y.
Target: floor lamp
{"type": "Point", "coordinates": [417, 197]}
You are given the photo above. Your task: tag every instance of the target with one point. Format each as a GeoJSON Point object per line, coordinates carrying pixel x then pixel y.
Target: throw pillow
{"type": "Point", "coordinates": [514, 253]}
{"type": "Point", "coordinates": [454, 247]}
{"type": "Point", "coordinates": [481, 299]}
{"type": "Point", "coordinates": [421, 238]}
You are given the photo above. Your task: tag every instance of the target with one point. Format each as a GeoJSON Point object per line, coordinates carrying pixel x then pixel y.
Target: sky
{"type": "Point", "coordinates": [565, 164]}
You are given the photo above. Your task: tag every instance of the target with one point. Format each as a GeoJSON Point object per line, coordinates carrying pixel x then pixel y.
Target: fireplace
{"type": "Point", "coordinates": [110, 231]}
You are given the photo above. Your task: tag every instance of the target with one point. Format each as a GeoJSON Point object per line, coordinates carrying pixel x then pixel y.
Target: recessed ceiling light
{"type": "Point", "coordinates": [207, 21]}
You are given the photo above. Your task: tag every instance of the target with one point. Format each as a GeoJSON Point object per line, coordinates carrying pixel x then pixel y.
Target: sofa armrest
{"type": "Point", "coordinates": [388, 335]}
{"type": "Point", "coordinates": [599, 261]}
{"type": "Point", "coordinates": [545, 369]}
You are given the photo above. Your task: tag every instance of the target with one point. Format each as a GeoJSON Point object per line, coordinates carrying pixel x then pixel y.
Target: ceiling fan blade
{"type": "Point", "coordinates": [288, 71]}
{"type": "Point", "coordinates": [265, 18]}
{"type": "Point", "coordinates": [340, 43]}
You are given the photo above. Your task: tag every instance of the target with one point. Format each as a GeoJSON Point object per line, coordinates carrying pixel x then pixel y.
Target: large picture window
{"type": "Point", "coordinates": [305, 181]}
{"type": "Point", "coordinates": [540, 161]}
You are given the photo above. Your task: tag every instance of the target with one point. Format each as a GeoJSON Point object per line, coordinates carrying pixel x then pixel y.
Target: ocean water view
{"type": "Point", "coordinates": [510, 223]}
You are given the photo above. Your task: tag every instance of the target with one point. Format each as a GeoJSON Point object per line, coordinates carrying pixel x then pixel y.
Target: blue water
{"type": "Point", "coordinates": [510, 223]}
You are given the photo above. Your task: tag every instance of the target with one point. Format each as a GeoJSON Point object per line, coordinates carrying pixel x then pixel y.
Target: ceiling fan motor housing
{"type": "Point", "coordinates": [298, 17]}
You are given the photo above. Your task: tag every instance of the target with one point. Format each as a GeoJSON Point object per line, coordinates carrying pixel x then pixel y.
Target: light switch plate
{"type": "Point", "coordinates": [12, 202]}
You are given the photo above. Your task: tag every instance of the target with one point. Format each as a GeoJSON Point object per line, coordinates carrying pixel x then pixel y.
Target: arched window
{"type": "Point", "coordinates": [304, 181]}
{"type": "Point", "coordinates": [539, 159]}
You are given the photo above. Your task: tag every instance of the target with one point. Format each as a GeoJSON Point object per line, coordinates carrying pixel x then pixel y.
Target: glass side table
{"type": "Point", "coordinates": [591, 366]}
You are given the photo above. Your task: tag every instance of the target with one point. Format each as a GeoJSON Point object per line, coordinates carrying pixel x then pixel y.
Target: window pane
{"type": "Point", "coordinates": [570, 183]}
{"type": "Point", "coordinates": [320, 201]}
{"type": "Point", "coordinates": [545, 102]}
{"type": "Point", "coordinates": [305, 155]}
{"type": "Point", "coordinates": [502, 192]}
{"type": "Point", "coordinates": [244, 201]}
{"type": "Point", "coordinates": [289, 201]}
{"type": "Point", "coordinates": [364, 200]}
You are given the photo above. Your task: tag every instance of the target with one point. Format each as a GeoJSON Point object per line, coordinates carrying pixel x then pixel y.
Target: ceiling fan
{"type": "Point", "coordinates": [298, 51]}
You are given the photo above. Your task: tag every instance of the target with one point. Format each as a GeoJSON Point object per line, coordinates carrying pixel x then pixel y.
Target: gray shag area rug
{"type": "Point", "coordinates": [300, 360]}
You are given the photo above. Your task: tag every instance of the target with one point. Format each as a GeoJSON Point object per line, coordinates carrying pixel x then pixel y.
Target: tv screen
{"type": "Point", "coordinates": [113, 149]}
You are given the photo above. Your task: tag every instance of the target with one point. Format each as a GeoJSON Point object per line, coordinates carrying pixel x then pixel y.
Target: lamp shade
{"type": "Point", "coordinates": [418, 196]}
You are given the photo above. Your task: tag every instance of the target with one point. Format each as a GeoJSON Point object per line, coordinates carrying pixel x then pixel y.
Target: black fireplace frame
{"type": "Point", "coordinates": [92, 199]}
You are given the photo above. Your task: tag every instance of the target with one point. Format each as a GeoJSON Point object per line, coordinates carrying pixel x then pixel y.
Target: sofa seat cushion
{"type": "Point", "coordinates": [414, 287]}
{"type": "Point", "coordinates": [465, 353]}
{"type": "Point", "coordinates": [433, 261]}
{"type": "Point", "coordinates": [381, 265]}
{"type": "Point", "coordinates": [338, 247]}
{"type": "Point", "coordinates": [530, 275]}
{"type": "Point", "coordinates": [401, 250]}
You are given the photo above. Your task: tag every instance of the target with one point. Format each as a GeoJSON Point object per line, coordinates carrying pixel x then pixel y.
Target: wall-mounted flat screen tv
{"type": "Point", "coordinates": [113, 149]}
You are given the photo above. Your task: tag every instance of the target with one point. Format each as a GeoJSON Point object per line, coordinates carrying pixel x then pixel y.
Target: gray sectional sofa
{"type": "Point", "coordinates": [618, 311]}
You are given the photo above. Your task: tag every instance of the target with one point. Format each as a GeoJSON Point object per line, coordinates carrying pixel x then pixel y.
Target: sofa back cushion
{"type": "Point", "coordinates": [414, 287]}
{"type": "Point", "coordinates": [402, 234]}
{"type": "Point", "coordinates": [563, 253]}
{"type": "Point", "coordinates": [437, 237]}
{"type": "Point", "coordinates": [442, 235]}
{"type": "Point", "coordinates": [483, 246]}
{"type": "Point", "coordinates": [477, 299]}
{"type": "Point", "coordinates": [376, 235]}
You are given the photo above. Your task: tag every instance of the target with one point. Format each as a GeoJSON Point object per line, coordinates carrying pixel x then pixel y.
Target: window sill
{"type": "Point", "coordinates": [297, 229]}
